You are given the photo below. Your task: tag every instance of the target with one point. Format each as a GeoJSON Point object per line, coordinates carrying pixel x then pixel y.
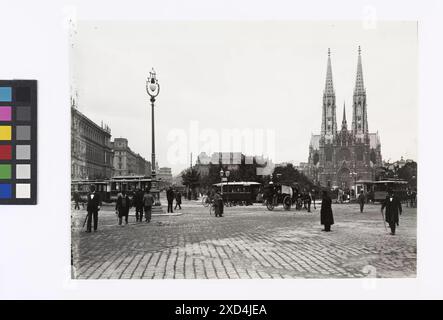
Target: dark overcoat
{"type": "Point", "coordinates": [138, 199]}
{"type": "Point", "coordinates": [123, 209]}
{"type": "Point", "coordinates": [178, 198]}
{"type": "Point", "coordinates": [326, 217]}
{"type": "Point", "coordinates": [393, 209]}
{"type": "Point", "coordinates": [170, 195]}
{"type": "Point", "coordinates": [93, 203]}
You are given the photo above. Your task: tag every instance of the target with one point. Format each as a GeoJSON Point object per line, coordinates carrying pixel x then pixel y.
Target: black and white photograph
{"type": "Point", "coordinates": [243, 149]}
{"type": "Point", "coordinates": [222, 158]}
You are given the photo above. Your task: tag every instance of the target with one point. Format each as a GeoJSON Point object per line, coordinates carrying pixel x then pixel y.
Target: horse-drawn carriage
{"type": "Point", "coordinates": [278, 194]}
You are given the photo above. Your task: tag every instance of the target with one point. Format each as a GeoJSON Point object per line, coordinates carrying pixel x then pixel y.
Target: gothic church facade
{"type": "Point", "coordinates": [338, 157]}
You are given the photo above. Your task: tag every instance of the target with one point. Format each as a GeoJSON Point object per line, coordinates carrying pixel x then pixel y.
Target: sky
{"type": "Point", "coordinates": [218, 78]}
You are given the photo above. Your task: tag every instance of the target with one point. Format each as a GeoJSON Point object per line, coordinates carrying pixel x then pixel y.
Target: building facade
{"type": "Point", "coordinates": [338, 157]}
{"type": "Point", "coordinates": [127, 162]}
{"type": "Point", "coordinates": [164, 174]}
{"type": "Point", "coordinates": [91, 152]}
{"type": "Point", "coordinates": [231, 161]}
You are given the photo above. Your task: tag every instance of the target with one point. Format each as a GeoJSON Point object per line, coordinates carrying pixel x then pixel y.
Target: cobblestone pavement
{"type": "Point", "coordinates": [248, 242]}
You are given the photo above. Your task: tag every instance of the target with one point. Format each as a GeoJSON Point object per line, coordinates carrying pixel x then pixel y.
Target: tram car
{"type": "Point", "coordinates": [109, 189]}
{"type": "Point", "coordinates": [376, 191]}
{"type": "Point", "coordinates": [238, 193]}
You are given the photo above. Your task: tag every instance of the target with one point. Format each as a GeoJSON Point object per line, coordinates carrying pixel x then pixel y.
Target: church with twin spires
{"type": "Point", "coordinates": [338, 157]}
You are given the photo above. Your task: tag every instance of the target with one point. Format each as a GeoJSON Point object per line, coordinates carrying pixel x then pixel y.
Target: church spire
{"type": "Point", "coordinates": [329, 86]}
{"type": "Point", "coordinates": [329, 122]}
{"type": "Point", "coordinates": [344, 124]}
{"type": "Point", "coordinates": [359, 112]}
{"type": "Point", "coordinates": [359, 85]}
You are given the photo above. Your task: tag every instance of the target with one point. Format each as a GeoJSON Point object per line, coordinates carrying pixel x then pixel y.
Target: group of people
{"type": "Point", "coordinates": [142, 201]}
{"type": "Point", "coordinates": [172, 194]}
{"type": "Point", "coordinates": [391, 205]}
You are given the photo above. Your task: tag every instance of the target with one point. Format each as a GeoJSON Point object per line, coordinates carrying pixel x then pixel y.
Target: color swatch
{"type": "Point", "coordinates": [18, 142]}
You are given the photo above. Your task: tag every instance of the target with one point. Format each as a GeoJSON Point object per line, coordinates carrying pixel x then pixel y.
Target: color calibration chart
{"type": "Point", "coordinates": [18, 142]}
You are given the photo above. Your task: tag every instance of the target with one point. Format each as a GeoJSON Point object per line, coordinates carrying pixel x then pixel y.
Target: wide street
{"type": "Point", "coordinates": [248, 242]}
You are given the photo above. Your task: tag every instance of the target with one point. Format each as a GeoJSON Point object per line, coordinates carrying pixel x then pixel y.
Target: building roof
{"type": "Point", "coordinates": [105, 130]}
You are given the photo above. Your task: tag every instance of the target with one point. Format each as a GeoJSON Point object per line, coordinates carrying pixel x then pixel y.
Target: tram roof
{"type": "Point", "coordinates": [129, 177]}
{"type": "Point", "coordinates": [116, 179]}
{"type": "Point", "coordinates": [241, 183]}
{"type": "Point", "coordinates": [392, 181]}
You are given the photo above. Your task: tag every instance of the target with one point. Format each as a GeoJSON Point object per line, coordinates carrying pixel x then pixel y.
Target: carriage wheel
{"type": "Point", "coordinates": [269, 205]}
{"type": "Point", "coordinates": [287, 203]}
{"type": "Point", "coordinates": [205, 201]}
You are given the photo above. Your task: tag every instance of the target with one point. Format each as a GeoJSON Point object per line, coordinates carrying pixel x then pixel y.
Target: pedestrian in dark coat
{"type": "Point", "coordinates": [326, 217]}
{"type": "Point", "coordinates": [170, 198]}
{"type": "Point", "coordinates": [148, 202]}
{"type": "Point", "coordinates": [138, 204]}
{"type": "Point", "coordinates": [93, 206]}
{"type": "Point", "coordinates": [308, 201]}
{"type": "Point", "coordinates": [77, 200]}
{"type": "Point", "coordinates": [361, 200]}
{"type": "Point", "coordinates": [178, 200]}
{"type": "Point", "coordinates": [122, 207]}
{"type": "Point", "coordinates": [393, 209]}
{"type": "Point", "coordinates": [313, 198]}
{"type": "Point", "coordinates": [218, 201]}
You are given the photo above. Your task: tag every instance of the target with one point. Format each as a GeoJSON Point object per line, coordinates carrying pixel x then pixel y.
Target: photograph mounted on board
{"type": "Point", "coordinates": [243, 149]}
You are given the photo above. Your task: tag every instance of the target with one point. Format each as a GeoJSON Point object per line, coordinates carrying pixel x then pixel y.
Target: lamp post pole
{"type": "Point", "coordinates": [153, 166]}
{"type": "Point", "coordinates": [153, 89]}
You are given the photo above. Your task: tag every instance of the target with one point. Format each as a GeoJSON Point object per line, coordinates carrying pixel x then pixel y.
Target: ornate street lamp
{"type": "Point", "coordinates": [153, 89]}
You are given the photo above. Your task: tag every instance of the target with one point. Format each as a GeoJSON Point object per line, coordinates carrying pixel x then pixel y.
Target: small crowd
{"type": "Point", "coordinates": [143, 202]}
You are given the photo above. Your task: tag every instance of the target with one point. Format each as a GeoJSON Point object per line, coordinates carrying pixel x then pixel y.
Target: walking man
{"type": "Point", "coordinates": [308, 200]}
{"type": "Point", "coordinates": [326, 217]}
{"type": "Point", "coordinates": [148, 202]}
{"type": "Point", "coordinates": [178, 200]}
{"type": "Point", "coordinates": [138, 203]}
{"type": "Point", "coordinates": [122, 207]}
{"type": "Point", "coordinates": [218, 200]}
{"type": "Point", "coordinates": [361, 200]}
{"type": "Point", "coordinates": [76, 200]}
{"type": "Point", "coordinates": [393, 210]}
{"type": "Point", "coordinates": [170, 198]}
{"type": "Point", "coordinates": [93, 206]}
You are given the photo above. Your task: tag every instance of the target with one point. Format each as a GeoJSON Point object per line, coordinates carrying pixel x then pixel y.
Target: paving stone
{"type": "Point", "coordinates": [248, 242]}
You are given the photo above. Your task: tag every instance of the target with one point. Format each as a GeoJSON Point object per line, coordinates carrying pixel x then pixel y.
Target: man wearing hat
{"type": "Point", "coordinates": [393, 210]}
